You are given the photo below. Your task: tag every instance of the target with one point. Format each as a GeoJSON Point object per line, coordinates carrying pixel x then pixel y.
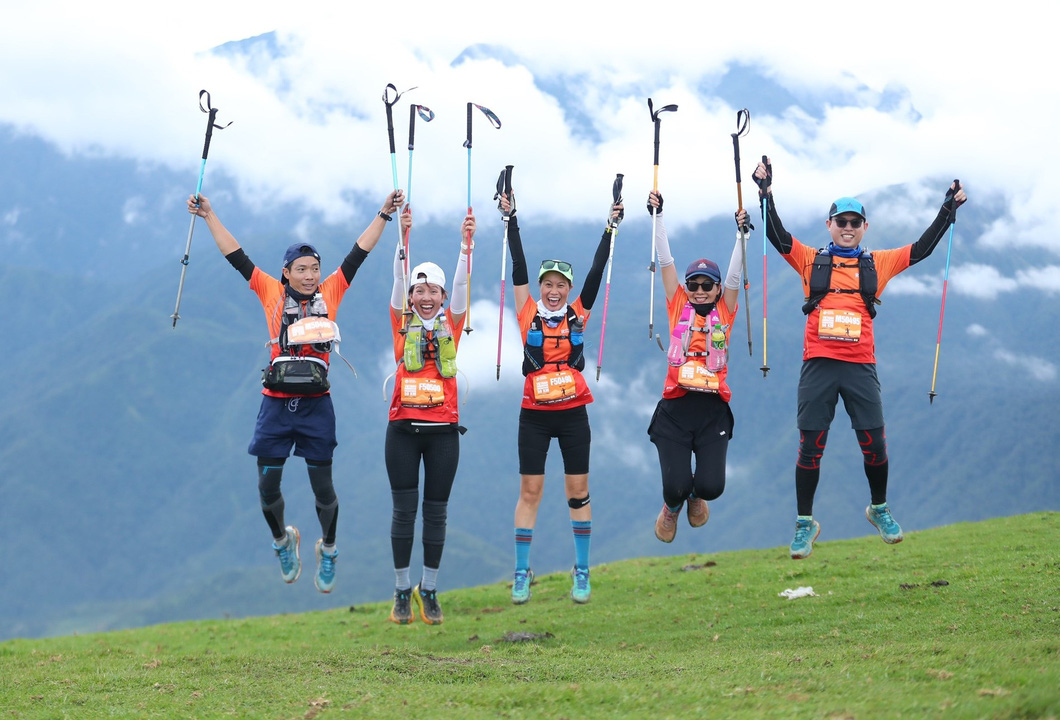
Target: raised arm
{"type": "Point", "coordinates": [225, 241]}
{"type": "Point", "coordinates": [520, 275]}
{"type": "Point", "coordinates": [458, 301]}
{"type": "Point", "coordinates": [955, 197]}
{"type": "Point", "coordinates": [662, 247]}
{"type": "Point", "coordinates": [775, 232]}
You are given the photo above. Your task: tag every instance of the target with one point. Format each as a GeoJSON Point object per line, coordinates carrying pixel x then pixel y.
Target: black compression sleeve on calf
{"type": "Point", "coordinates": [239, 260]}
{"type": "Point", "coordinates": [515, 246]}
{"type": "Point", "coordinates": [596, 272]}
{"type": "Point", "coordinates": [778, 236]}
{"type": "Point", "coordinates": [352, 262]}
{"type": "Point", "coordinates": [927, 242]}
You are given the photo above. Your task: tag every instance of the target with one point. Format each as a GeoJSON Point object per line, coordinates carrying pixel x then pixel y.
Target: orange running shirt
{"type": "Point", "coordinates": [844, 277]}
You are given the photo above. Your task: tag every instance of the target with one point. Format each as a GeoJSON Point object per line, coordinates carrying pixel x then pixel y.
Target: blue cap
{"type": "Point", "coordinates": [703, 267]}
{"type": "Point", "coordinates": [845, 205]}
{"type": "Point", "coordinates": [299, 250]}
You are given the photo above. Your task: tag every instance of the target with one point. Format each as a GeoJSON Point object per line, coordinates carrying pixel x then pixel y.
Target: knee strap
{"type": "Point", "coordinates": [435, 514]}
{"type": "Point", "coordinates": [403, 520]}
{"type": "Point", "coordinates": [575, 503]}
{"type": "Point", "coordinates": [873, 445]}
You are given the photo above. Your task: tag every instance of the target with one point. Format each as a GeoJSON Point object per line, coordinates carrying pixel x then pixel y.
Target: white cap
{"type": "Point", "coordinates": [427, 272]}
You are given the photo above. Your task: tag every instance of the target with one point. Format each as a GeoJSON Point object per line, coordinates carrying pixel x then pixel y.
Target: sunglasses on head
{"type": "Point", "coordinates": [843, 222]}
{"type": "Point", "coordinates": [555, 265]}
{"type": "Point", "coordinates": [707, 285]}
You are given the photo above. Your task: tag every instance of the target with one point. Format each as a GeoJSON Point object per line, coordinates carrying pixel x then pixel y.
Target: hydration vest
{"type": "Point", "coordinates": [821, 281]}
{"type": "Point", "coordinates": [299, 369]}
{"type": "Point", "coordinates": [536, 337]}
{"type": "Point", "coordinates": [419, 349]}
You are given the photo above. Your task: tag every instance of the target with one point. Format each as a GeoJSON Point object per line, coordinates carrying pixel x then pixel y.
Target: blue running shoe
{"type": "Point", "coordinates": [880, 517]}
{"type": "Point", "coordinates": [325, 577]}
{"type": "Point", "coordinates": [426, 602]}
{"type": "Point", "coordinates": [806, 531]}
{"type": "Point", "coordinates": [581, 589]}
{"type": "Point", "coordinates": [521, 586]}
{"type": "Point", "coordinates": [290, 562]}
{"type": "Point", "coordinates": [401, 613]}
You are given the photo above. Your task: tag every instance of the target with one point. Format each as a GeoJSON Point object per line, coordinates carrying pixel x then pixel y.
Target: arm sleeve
{"type": "Point", "coordinates": [778, 236]}
{"type": "Point", "coordinates": [515, 246]}
{"type": "Point", "coordinates": [397, 294]}
{"type": "Point", "coordinates": [927, 242]}
{"type": "Point", "coordinates": [735, 271]}
{"type": "Point", "coordinates": [592, 279]}
{"type": "Point", "coordinates": [239, 260]}
{"type": "Point", "coordinates": [458, 301]}
{"type": "Point", "coordinates": [352, 262]}
{"type": "Point", "coordinates": [662, 242]}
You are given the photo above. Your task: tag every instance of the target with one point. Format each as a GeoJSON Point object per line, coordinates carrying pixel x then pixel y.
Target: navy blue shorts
{"type": "Point", "coordinates": [306, 423]}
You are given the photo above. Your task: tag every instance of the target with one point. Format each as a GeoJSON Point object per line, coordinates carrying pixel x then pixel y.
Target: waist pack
{"type": "Point", "coordinates": [296, 375]}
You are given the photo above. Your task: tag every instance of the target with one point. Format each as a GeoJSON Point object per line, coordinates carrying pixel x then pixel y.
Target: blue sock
{"type": "Point", "coordinates": [583, 530]}
{"type": "Point", "coordinates": [523, 537]}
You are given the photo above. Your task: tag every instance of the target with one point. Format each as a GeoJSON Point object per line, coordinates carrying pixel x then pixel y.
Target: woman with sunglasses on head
{"type": "Point", "coordinates": [693, 416]}
{"type": "Point", "coordinates": [424, 423]}
{"type": "Point", "coordinates": [842, 284]}
{"type": "Point", "coordinates": [554, 396]}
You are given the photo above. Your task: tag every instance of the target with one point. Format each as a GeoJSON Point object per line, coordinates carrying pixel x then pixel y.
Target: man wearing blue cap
{"type": "Point", "coordinates": [842, 284]}
{"type": "Point", "coordinates": [296, 409]}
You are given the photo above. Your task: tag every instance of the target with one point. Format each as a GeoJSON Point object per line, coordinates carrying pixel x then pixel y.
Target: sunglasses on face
{"type": "Point", "coordinates": [707, 285]}
{"type": "Point", "coordinates": [555, 265]}
{"type": "Point", "coordinates": [843, 222]}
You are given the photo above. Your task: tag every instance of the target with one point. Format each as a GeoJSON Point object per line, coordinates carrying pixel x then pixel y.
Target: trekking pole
{"type": "Point", "coordinates": [211, 123]}
{"type": "Point", "coordinates": [616, 194]}
{"type": "Point", "coordinates": [765, 263]}
{"type": "Point", "coordinates": [743, 126]}
{"type": "Point", "coordinates": [504, 184]}
{"type": "Point", "coordinates": [655, 188]}
{"type": "Point", "coordinates": [403, 249]}
{"type": "Point", "coordinates": [495, 121]}
{"type": "Point", "coordinates": [427, 114]}
{"type": "Point", "coordinates": [945, 282]}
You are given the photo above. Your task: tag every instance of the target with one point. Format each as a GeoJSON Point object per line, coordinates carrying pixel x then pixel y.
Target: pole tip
{"type": "Point", "coordinates": [931, 397]}
{"type": "Point", "coordinates": [498, 372]}
{"type": "Point", "coordinates": [765, 370]}
{"type": "Point", "coordinates": [597, 373]}
{"type": "Point", "coordinates": [175, 317]}
{"type": "Point", "coordinates": [468, 330]}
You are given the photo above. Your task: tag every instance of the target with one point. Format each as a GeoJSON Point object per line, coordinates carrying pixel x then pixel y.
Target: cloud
{"type": "Point", "coordinates": [977, 330]}
{"type": "Point", "coordinates": [1038, 368]}
{"type": "Point", "coordinates": [122, 78]}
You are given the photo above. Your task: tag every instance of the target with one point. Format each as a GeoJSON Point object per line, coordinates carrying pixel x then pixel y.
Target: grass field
{"type": "Point", "coordinates": [961, 621]}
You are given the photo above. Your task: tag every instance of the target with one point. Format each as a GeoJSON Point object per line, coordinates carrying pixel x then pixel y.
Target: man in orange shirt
{"type": "Point", "coordinates": [296, 409]}
{"type": "Point", "coordinates": [842, 284]}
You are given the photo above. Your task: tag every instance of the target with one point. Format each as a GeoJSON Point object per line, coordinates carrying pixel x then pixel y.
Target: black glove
{"type": "Point", "coordinates": [951, 191]}
{"type": "Point", "coordinates": [612, 222]}
{"type": "Point", "coordinates": [653, 209]}
{"type": "Point", "coordinates": [747, 225]}
{"type": "Point", "coordinates": [766, 182]}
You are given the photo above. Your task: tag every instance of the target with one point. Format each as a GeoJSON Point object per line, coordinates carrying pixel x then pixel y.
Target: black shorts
{"type": "Point", "coordinates": [823, 380]}
{"type": "Point", "coordinates": [694, 419]}
{"type": "Point", "coordinates": [538, 427]}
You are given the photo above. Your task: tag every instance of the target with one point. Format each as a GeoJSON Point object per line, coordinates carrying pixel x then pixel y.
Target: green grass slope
{"type": "Point", "coordinates": [961, 621]}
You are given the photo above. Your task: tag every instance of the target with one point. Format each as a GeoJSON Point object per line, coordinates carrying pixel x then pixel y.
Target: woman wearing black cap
{"type": "Point", "coordinates": [693, 415]}
{"type": "Point", "coordinates": [296, 409]}
{"type": "Point", "coordinates": [554, 397]}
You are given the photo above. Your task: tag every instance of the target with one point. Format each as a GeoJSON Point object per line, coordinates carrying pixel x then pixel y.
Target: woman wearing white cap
{"type": "Point", "coordinates": [424, 420]}
{"type": "Point", "coordinates": [554, 398]}
{"type": "Point", "coordinates": [693, 415]}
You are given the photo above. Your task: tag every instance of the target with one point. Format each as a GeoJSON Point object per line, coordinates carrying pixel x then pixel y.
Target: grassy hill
{"type": "Point", "coordinates": [961, 621]}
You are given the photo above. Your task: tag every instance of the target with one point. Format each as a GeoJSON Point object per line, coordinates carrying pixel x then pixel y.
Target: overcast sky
{"type": "Point", "coordinates": [974, 100]}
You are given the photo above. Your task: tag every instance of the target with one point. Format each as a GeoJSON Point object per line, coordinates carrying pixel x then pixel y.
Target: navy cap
{"type": "Point", "coordinates": [703, 267]}
{"type": "Point", "coordinates": [299, 250]}
{"type": "Point", "coordinates": [845, 205]}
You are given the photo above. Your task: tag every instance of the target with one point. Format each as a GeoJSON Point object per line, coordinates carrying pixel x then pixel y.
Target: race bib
{"type": "Point", "coordinates": [419, 392]}
{"type": "Point", "coordinates": [312, 330]}
{"type": "Point", "coordinates": [841, 325]}
{"type": "Point", "coordinates": [695, 376]}
{"type": "Point", "coordinates": [554, 387]}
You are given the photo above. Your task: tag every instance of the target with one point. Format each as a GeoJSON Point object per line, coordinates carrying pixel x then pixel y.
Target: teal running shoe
{"type": "Point", "coordinates": [880, 517]}
{"type": "Point", "coordinates": [521, 586]}
{"type": "Point", "coordinates": [325, 577]}
{"type": "Point", "coordinates": [581, 589]}
{"type": "Point", "coordinates": [426, 602]}
{"type": "Point", "coordinates": [806, 531]}
{"type": "Point", "coordinates": [290, 562]}
{"type": "Point", "coordinates": [401, 613]}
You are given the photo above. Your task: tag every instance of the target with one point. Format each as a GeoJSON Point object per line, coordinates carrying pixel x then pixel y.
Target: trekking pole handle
{"type": "Point", "coordinates": [616, 189]}
{"type": "Point", "coordinates": [467, 143]}
{"type": "Point", "coordinates": [508, 181]}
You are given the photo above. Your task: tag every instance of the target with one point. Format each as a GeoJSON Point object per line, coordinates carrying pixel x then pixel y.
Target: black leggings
{"type": "Point", "coordinates": [695, 423]}
{"type": "Point", "coordinates": [439, 449]}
